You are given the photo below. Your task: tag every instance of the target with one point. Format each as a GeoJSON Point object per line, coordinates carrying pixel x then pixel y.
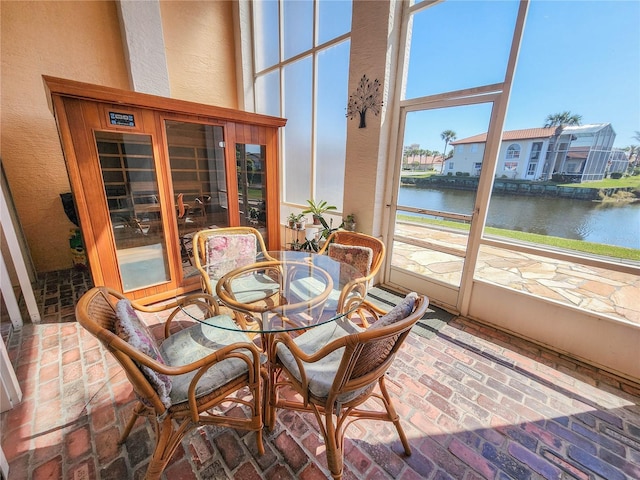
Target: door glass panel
{"type": "Point", "coordinates": [198, 176]}
{"type": "Point", "coordinates": [466, 43]}
{"type": "Point", "coordinates": [131, 188]}
{"type": "Point", "coordinates": [435, 198]}
{"type": "Point", "coordinates": [250, 165]}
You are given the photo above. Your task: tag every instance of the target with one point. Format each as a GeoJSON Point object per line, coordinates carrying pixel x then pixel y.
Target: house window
{"type": "Point", "coordinates": [315, 72]}
{"type": "Point", "coordinates": [474, 148]}
{"type": "Point", "coordinates": [450, 165]}
{"type": "Point", "coordinates": [513, 151]}
{"type": "Point", "coordinates": [459, 148]}
{"type": "Point", "coordinates": [536, 148]}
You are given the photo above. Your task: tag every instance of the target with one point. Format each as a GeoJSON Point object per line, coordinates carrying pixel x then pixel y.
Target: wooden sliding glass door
{"type": "Point", "coordinates": [133, 200]}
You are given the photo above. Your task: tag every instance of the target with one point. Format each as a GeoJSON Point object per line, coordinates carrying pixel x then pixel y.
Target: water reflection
{"type": "Point", "coordinates": [566, 218]}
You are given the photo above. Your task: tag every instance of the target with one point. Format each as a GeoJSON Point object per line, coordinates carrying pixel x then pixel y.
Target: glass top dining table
{"type": "Point", "coordinates": [289, 290]}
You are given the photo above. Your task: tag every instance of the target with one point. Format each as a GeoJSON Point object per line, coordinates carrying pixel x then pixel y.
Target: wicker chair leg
{"type": "Point", "coordinates": [137, 410]}
{"type": "Point", "coordinates": [167, 440]}
{"type": "Point", "coordinates": [333, 443]}
{"type": "Point", "coordinates": [393, 416]}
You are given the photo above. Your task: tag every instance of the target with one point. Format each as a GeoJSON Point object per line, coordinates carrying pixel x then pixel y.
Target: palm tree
{"type": "Point", "coordinates": [447, 136]}
{"type": "Point", "coordinates": [562, 119]}
{"type": "Point", "coordinates": [633, 151]}
{"type": "Point", "coordinates": [637, 136]}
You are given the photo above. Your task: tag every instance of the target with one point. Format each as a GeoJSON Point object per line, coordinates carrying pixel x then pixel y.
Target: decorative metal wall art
{"type": "Point", "coordinates": [366, 97]}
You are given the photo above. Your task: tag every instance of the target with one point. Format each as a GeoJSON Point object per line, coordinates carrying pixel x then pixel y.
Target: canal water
{"type": "Point", "coordinates": [606, 223]}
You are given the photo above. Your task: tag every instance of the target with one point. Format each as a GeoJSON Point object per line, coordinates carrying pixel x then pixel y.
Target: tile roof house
{"type": "Point", "coordinates": [579, 153]}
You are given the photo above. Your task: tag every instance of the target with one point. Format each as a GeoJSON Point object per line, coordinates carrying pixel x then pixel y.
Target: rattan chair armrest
{"type": "Point", "coordinates": [318, 355]}
{"type": "Point", "coordinates": [231, 351]}
{"type": "Point", "coordinates": [203, 300]}
{"type": "Point", "coordinates": [208, 361]}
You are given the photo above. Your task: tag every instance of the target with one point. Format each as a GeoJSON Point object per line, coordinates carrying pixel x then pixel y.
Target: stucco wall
{"type": "Point", "coordinates": [199, 43]}
{"type": "Point", "coordinates": [82, 41]}
{"type": "Point", "coordinates": [373, 48]}
{"type": "Point", "coordinates": [77, 40]}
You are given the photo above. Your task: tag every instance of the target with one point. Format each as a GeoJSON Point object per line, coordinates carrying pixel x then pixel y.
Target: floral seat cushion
{"type": "Point", "coordinates": [130, 327]}
{"type": "Point", "coordinates": [198, 341]}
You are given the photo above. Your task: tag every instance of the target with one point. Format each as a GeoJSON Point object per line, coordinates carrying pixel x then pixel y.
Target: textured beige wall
{"type": "Point", "coordinates": [199, 43]}
{"type": "Point", "coordinates": [75, 40]}
{"type": "Point", "coordinates": [82, 41]}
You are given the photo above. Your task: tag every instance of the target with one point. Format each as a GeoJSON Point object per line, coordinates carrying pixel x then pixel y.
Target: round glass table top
{"type": "Point", "coordinates": [287, 291]}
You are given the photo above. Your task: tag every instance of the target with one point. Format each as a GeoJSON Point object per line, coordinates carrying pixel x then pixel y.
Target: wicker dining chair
{"type": "Point", "coordinates": [195, 377]}
{"type": "Point", "coordinates": [217, 251]}
{"type": "Point", "coordinates": [334, 369]}
{"type": "Point", "coordinates": [366, 254]}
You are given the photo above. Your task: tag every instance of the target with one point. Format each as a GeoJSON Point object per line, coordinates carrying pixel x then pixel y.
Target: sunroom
{"type": "Point", "coordinates": [466, 67]}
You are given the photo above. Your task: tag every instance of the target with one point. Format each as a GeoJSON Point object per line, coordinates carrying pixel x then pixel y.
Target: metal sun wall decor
{"type": "Point", "coordinates": [366, 97]}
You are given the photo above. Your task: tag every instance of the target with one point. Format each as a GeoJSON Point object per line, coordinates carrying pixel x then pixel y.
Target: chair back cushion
{"type": "Point", "coordinates": [401, 311]}
{"type": "Point", "coordinates": [228, 252]}
{"type": "Point", "coordinates": [129, 327]}
{"type": "Point", "coordinates": [356, 256]}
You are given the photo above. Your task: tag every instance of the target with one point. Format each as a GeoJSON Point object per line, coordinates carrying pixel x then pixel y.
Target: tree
{"type": "Point", "coordinates": [637, 136]}
{"type": "Point", "coordinates": [632, 151]}
{"type": "Point", "coordinates": [562, 119]}
{"type": "Point", "coordinates": [410, 152]}
{"type": "Point", "coordinates": [447, 136]}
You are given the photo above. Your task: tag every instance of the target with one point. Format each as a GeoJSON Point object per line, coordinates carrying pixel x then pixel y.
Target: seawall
{"type": "Point", "coordinates": [514, 187]}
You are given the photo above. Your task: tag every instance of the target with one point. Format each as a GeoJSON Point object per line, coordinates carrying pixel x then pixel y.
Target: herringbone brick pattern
{"type": "Point", "coordinates": [475, 403]}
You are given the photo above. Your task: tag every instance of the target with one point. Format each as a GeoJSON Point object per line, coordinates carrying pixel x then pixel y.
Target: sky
{"type": "Point", "coordinates": [578, 56]}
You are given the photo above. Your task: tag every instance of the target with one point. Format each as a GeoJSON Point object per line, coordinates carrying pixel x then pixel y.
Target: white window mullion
{"type": "Point", "coordinates": [314, 100]}
{"type": "Point", "coordinates": [494, 140]}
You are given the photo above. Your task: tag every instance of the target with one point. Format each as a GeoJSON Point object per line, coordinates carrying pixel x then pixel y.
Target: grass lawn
{"type": "Point", "coordinates": [624, 182]}
{"type": "Point", "coordinates": [557, 242]}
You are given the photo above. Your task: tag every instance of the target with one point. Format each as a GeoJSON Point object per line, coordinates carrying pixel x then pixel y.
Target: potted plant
{"type": "Point", "coordinates": [296, 246]}
{"type": "Point", "coordinates": [349, 223]}
{"type": "Point", "coordinates": [317, 209]}
{"type": "Point", "coordinates": [310, 245]}
{"type": "Point", "coordinates": [295, 221]}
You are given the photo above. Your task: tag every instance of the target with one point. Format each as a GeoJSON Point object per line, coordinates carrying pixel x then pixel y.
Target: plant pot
{"type": "Point", "coordinates": [316, 220]}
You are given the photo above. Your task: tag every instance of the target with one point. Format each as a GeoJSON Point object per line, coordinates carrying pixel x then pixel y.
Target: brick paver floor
{"type": "Point", "coordinates": [475, 403]}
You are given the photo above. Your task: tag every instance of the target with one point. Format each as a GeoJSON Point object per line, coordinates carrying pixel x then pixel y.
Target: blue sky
{"type": "Point", "coordinates": [580, 56]}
